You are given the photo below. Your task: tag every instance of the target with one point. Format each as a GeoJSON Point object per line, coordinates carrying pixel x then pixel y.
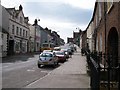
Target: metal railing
{"type": "Point", "coordinates": [106, 77]}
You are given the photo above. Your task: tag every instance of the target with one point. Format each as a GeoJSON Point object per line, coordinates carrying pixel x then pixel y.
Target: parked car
{"type": "Point", "coordinates": [47, 50]}
{"type": "Point", "coordinates": [47, 58]}
{"type": "Point", "coordinates": [56, 49]}
{"type": "Point", "coordinates": [61, 56]}
{"type": "Point", "coordinates": [66, 52]}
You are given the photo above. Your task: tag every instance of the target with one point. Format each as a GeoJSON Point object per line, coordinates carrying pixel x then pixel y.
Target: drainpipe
{"type": "Point", "coordinates": [106, 58]}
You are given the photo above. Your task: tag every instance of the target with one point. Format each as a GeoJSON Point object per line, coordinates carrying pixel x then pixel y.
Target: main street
{"type": "Point", "coordinates": [26, 74]}
{"type": "Point", "coordinates": [21, 71]}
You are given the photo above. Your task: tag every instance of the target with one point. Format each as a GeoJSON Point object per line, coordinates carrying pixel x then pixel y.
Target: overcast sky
{"type": "Point", "coordinates": [63, 16]}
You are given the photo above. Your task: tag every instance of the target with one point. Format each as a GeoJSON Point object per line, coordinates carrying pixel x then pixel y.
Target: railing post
{"type": "Point", "coordinates": [108, 70]}
{"type": "Point", "coordinates": [119, 76]}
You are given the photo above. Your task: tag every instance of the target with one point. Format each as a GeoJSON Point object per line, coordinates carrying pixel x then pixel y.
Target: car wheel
{"type": "Point", "coordinates": [54, 65]}
{"type": "Point", "coordinates": [57, 62]}
{"type": "Point", "coordinates": [39, 65]}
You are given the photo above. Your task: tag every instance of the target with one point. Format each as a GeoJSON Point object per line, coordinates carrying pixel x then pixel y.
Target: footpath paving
{"type": "Point", "coordinates": [71, 74]}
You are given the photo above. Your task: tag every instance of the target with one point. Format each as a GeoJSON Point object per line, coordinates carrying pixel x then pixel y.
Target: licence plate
{"type": "Point", "coordinates": [45, 62]}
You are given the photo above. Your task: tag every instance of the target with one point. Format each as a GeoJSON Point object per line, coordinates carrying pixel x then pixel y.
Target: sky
{"type": "Point", "coordinates": [62, 16]}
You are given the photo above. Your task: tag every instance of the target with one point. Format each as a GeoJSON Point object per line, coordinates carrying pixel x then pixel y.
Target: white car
{"type": "Point", "coordinates": [56, 49]}
{"type": "Point", "coordinates": [47, 58]}
{"type": "Point", "coordinates": [47, 51]}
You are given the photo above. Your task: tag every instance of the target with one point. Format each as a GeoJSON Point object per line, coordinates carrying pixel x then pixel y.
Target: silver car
{"type": "Point", "coordinates": [47, 58]}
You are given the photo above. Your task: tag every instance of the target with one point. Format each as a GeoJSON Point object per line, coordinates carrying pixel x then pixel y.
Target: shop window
{"type": "Point", "coordinates": [17, 46]}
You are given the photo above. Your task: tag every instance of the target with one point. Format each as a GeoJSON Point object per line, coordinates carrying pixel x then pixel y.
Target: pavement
{"type": "Point", "coordinates": [71, 74]}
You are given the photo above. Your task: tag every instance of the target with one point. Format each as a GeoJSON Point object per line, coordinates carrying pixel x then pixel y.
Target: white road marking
{"type": "Point", "coordinates": [40, 78]}
{"type": "Point", "coordinates": [30, 70]}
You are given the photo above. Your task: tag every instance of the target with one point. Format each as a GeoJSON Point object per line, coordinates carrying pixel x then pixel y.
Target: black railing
{"type": "Point", "coordinates": [106, 77]}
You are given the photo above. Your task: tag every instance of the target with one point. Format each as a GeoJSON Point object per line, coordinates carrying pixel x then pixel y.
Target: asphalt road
{"type": "Point", "coordinates": [22, 72]}
{"type": "Point", "coordinates": [71, 74]}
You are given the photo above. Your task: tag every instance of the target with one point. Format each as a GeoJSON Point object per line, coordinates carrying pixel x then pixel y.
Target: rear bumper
{"type": "Point", "coordinates": [61, 59]}
{"type": "Point", "coordinates": [46, 62]}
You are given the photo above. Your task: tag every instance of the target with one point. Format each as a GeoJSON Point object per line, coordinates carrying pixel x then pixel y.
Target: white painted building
{"type": "Point", "coordinates": [32, 38]}
{"type": "Point", "coordinates": [18, 31]}
{"type": "Point", "coordinates": [4, 23]}
{"type": "Point", "coordinates": [3, 44]}
{"type": "Point", "coordinates": [35, 37]}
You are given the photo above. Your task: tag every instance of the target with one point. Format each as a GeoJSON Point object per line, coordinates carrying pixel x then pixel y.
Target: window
{"type": "Point", "coordinates": [1, 48]}
{"type": "Point", "coordinates": [20, 31]}
{"type": "Point", "coordinates": [13, 29]}
{"type": "Point", "coordinates": [17, 46]}
{"type": "Point", "coordinates": [17, 31]}
{"type": "Point", "coordinates": [21, 20]}
{"type": "Point", "coordinates": [97, 44]}
{"type": "Point", "coordinates": [100, 43]}
{"type": "Point", "coordinates": [13, 15]}
{"type": "Point", "coordinates": [2, 36]}
{"type": "Point", "coordinates": [96, 21]}
{"type": "Point", "coordinates": [26, 33]}
{"type": "Point", "coordinates": [109, 4]}
{"type": "Point", "coordinates": [100, 13]}
{"type": "Point", "coordinates": [23, 33]}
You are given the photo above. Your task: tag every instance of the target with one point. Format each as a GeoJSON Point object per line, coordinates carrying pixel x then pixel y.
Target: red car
{"type": "Point", "coordinates": [61, 56]}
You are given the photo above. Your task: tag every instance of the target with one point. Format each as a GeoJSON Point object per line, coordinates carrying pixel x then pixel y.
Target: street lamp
{"type": "Point", "coordinates": [35, 23]}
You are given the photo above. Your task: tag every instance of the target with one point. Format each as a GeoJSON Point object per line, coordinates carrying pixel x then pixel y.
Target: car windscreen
{"type": "Point", "coordinates": [59, 53]}
{"type": "Point", "coordinates": [46, 55]}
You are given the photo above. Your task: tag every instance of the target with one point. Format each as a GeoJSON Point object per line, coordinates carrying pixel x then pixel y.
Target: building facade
{"type": "Point", "coordinates": [56, 38]}
{"type": "Point", "coordinates": [31, 38]}
{"type": "Point", "coordinates": [70, 40]}
{"type": "Point", "coordinates": [4, 32]}
{"type": "Point", "coordinates": [18, 31]}
{"type": "Point", "coordinates": [106, 36]}
{"type": "Point", "coordinates": [36, 31]}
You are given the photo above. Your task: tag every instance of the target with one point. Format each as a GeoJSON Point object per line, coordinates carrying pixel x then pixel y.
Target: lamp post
{"type": "Point", "coordinates": [35, 24]}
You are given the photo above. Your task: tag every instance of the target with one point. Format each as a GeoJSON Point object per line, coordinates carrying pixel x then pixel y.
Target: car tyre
{"type": "Point", "coordinates": [39, 65]}
{"type": "Point", "coordinates": [54, 65]}
{"type": "Point", "coordinates": [57, 63]}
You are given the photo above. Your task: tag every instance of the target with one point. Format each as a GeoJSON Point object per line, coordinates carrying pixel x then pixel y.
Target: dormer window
{"type": "Point", "coordinates": [13, 15]}
{"type": "Point", "coordinates": [21, 20]}
{"type": "Point", "coordinates": [13, 29]}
